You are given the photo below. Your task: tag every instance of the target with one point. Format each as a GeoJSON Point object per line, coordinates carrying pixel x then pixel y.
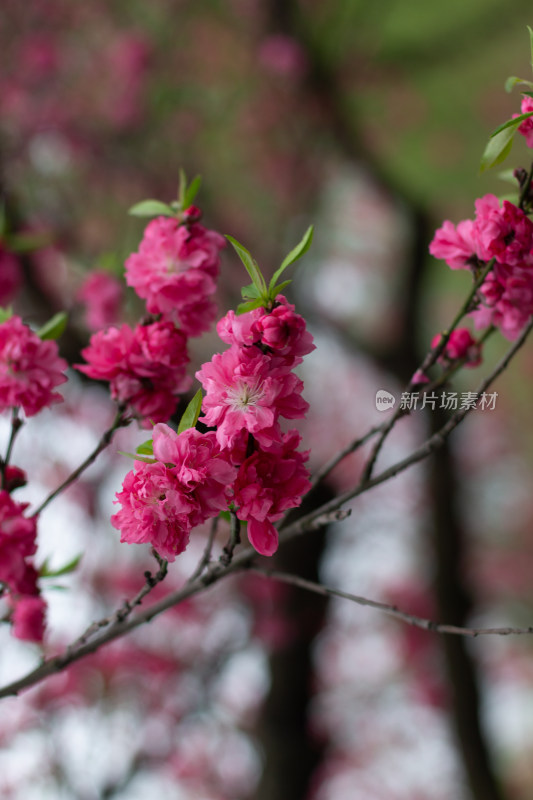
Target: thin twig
{"type": "Point", "coordinates": [391, 610]}
{"type": "Point", "coordinates": [125, 609]}
{"type": "Point", "coordinates": [206, 557]}
{"type": "Point", "coordinates": [431, 444]}
{"type": "Point", "coordinates": [118, 625]}
{"type": "Point", "coordinates": [324, 471]}
{"type": "Point", "coordinates": [428, 362]}
{"type": "Point", "coordinates": [120, 421]}
{"type": "Point", "coordinates": [233, 541]}
{"type": "Point", "coordinates": [16, 425]}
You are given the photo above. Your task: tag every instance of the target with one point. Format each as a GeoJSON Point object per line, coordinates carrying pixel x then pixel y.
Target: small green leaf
{"type": "Point", "coordinates": [55, 327]}
{"type": "Point", "coordinates": [250, 264]}
{"type": "Point", "coordinates": [513, 81]}
{"type": "Point", "coordinates": [28, 242]}
{"type": "Point", "coordinates": [279, 288]}
{"type": "Point", "coordinates": [296, 253]}
{"type": "Point", "coordinates": [146, 448]}
{"type": "Point", "coordinates": [242, 308]}
{"type": "Point", "coordinates": [225, 515]}
{"type": "Point", "coordinates": [511, 123]}
{"type": "Point", "coordinates": [46, 572]}
{"type": "Point", "coordinates": [191, 191]}
{"type": "Point", "coordinates": [508, 176]}
{"type": "Point", "coordinates": [191, 413]}
{"type": "Point", "coordinates": [249, 292]}
{"type": "Point", "coordinates": [498, 148]}
{"type": "Point", "coordinates": [137, 457]}
{"type": "Point", "coordinates": [5, 314]}
{"type": "Point", "coordinates": [151, 208]}
{"type": "Point", "coordinates": [531, 44]}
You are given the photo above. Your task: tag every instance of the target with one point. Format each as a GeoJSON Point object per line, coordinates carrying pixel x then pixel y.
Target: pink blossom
{"type": "Point", "coordinates": [280, 330]}
{"type": "Point", "coordinates": [285, 332]}
{"type": "Point", "coordinates": [244, 392]}
{"type": "Point", "coordinates": [145, 367]}
{"type": "Point", "coordinates": [176, 268]}
{"type": "Point", "coordinates": [102, 295]}
{"type": "Point", "coordinates": [267, 485]}
{"type": "Point", "coordinates": [17, 542]}
{"type": "Point", "coordinates": [460, 345]}
{"type": "Point", "coordinates": [456, 245]}
{"type": "Point", "coordinates": [163, 501]}
{"type": "Point", "coordinates": [154, 510]}
{"type": "Point", "coordinates": [29, 618]}
{"type": "Point", "coordinates": [30, 368]}
{"type": "Point", "coordinates": [10, 276]}
{"type": "Point", "coordinates": [505, 233]}
{"type": "Point", "coordinates": [526, 127]}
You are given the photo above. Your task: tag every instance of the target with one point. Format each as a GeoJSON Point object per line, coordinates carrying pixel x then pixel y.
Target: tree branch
{"type": "Point", "coordinates": [390, 610]}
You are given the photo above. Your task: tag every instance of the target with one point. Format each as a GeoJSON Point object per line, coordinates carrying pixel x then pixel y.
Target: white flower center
{"type": "Point", "coordinates": [243, 395]}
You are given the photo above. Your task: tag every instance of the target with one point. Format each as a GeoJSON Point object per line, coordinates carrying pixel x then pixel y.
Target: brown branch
{"type": "Point", "coordinates": [118, 625]}
{"type": "Point", "coordinates": [390, 610]}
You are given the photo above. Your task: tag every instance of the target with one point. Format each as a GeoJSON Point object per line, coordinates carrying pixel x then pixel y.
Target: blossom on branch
{"type": "Point", "coordinates": [30, 368]}
{"type": "Point", "coordinates": [145, 366]}
{"type": "Point", "coordinates": [162, 502]}
{"type": "Point", "coordinates": [460, 345]}
{"type": "Point", "coordinates": [175, 271]}
{"type": "Point", "coordinates": [243, 391]}
{"type": "Point", "coordinates": [268, 484]}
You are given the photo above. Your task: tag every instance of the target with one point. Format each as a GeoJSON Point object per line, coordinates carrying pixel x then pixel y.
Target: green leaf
{"type": "Point", "coordinates": [191, 191]}
{"type": "Point", "coordinates": [250, 264]}
{"type": "Point", "coordinates": [46, 572]}
{"type": "Point", "coordinates": [151, 208]}
{"type": "Point", "coordinates": [511, 123]}
{"type": "Point", "coordinates": [55, 327]}
{"type": "Point", "coordinates": [279, 288]}
{"type": "Point", "coordinates": [530, 45]}
{"type": "Point", "coordinates": [508, 176]}
{"type": "Point", "coordinates": [242, 308]}
{"type": "Point", "coordinates": [146, 448]}
{"type": "Point", "coordinates": [497, 149]}
{"type": "Point", "coordinates": [296, 253]}
{"type": "Point", "coordinates": [191, 413]}
{"type": "Point", "coordinates": [225, 515]}
{"type": "Point", "coordinates": [27, 242]}
{"type": "Point", "coordinates": [513, 81]}
{"type": "Point", "coordinates": [249, 292]}
{"type": "Point", "coordinates": [182, 188]}
{"type": "Point", "coordinates": [137, 457]}
{"type": "Point", "coordinates": [5, 314]}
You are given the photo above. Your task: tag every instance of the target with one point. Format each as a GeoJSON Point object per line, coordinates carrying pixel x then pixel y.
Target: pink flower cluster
{"type": "Point", "coordinates": [145, 366]}
{"type": "Point", "coordinates": [248, 389]}
{"type": "Point", "coordinates": [175, 271]}
{"type": "Point", "coordinates": [188, 483]}
{"type": "Point", "coordinates": [503, 233]}
{"type": "Point", "coordinates": [461, 344]}
{"type": "Point", "coordinates": [30, 369]}
{"type": "Point", "coordinates": [248, 462]}
{"type": "Point", "coordinates": [18, 576]}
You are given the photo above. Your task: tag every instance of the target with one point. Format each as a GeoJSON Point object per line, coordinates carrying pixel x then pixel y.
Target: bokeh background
{"type": "Point", "coordinates": [367, 120]}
